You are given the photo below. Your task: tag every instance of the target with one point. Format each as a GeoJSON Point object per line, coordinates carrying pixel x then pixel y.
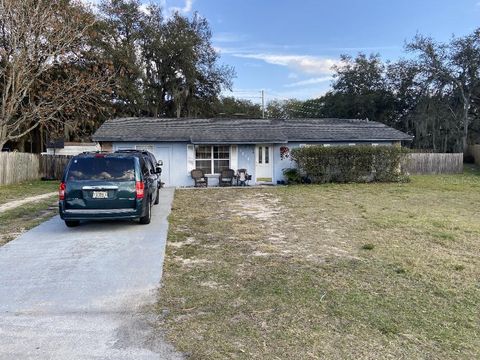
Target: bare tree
{"type": "Point", "coordinates": [46, 67]}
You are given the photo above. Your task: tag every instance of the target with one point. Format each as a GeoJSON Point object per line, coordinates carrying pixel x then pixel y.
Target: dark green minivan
{"type": "Point", "coordinates": [102, 186]}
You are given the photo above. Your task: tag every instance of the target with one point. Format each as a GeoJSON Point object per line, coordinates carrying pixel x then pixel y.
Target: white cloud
{"type": "Point", "coordinates": [144, 4]}
{"type": "Point", "coordinates": [92, 3]}
{"type": "Point", "coordinates": [144, 8]}
{"type": "Point", "coordinates": [311, 81]}
{"type": "Point", "coordinates": [293, 76]}
{"type": "Point", "coordinates": [227, 37]}
{"type": "Point", "coordinates": [305, 63]}
{"type": "Point", "coordinates": [183, 10]}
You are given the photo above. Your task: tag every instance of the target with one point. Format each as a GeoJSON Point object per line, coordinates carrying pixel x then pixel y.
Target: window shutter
{"type": "Point", "coordinates": [190, 158]}
{"type": "Point", "coordinates": [234, 157]}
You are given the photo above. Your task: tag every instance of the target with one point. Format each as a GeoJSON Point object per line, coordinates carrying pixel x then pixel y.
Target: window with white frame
{"type": "Point", "coordinates": [212, 159]}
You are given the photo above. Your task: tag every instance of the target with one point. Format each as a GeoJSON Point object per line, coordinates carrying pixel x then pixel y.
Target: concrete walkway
{"type": "Point", "coordinates": [84, 292]}
{"type": "Point", "coordinates": [15, 203]}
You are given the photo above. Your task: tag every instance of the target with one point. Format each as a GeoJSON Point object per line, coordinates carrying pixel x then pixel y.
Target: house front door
{"type": "Point", "coordinates": [264, 163]}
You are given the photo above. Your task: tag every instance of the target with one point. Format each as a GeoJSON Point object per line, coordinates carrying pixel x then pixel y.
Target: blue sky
{"type": "Point", "coordinates": [287, 47]}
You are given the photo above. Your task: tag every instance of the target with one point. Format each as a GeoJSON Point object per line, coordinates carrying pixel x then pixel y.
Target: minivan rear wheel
{"type": "Point", "coordinates": [148, 215]}
{"type": "Point", "coordinates": [72, 223]}
{"type": "Point", "coordinates": [157, 199]}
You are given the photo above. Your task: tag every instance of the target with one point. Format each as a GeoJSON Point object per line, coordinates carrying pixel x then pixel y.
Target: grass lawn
{"type": "Point", "coordinates": [26, 189]}
{"type": "Point", "coordinates": [361, 271]}
{"type": "Point", "coordinates": [16, 221]}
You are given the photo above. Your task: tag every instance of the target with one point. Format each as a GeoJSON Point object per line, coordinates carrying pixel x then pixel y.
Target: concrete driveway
{"type": "Point", "coordinates": [85, 292]}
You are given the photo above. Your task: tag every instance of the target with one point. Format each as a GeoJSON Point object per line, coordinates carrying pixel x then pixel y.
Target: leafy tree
{"type": "Point", "coordinates": [406, 89]}
{"type": "Point", "coordinates": [434, 96]}
{"type": "Point", "coordinates": [286, 109]}
{"type": "Point", "coordinates": [453, 70]}
{"type": "Point", "coordinates": [360, 89]}
{"type": "Point", "coordinates": [232, 107]}
{"type": "Point", "coordinates": [166, 67]}
{"type": "Point", "coordinates": [120, 29]}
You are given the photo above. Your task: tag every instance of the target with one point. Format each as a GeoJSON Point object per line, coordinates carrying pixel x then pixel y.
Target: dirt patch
{"type": "Point", "coordinates": [191, 262]}
{"type": "Point", "coordinates": [264, 208]}
{"type": "Point", "coordinates": [188, 241]}
{"type": "Point", "coordinates": [267, 211]}
{"type": "Point", "coordinates": [14, 204]}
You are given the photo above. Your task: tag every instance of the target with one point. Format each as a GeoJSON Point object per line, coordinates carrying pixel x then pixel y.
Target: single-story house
{"type": "Point", "coordinates": [72, 148]}
{"type": "Point", "coordinates": [259, 145]}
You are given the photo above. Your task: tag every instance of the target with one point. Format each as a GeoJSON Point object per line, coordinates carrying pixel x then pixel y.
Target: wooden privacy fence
{"type": "Point", "coordinates": [16, 167]}
{"type": "Point", "coordinates": [434, 163]}
{"type": "Point", "coordinates": [52, 166]}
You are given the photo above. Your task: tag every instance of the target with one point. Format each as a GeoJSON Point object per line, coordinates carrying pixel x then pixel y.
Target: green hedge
{"type": "Point", "coordinates": [350, 163]}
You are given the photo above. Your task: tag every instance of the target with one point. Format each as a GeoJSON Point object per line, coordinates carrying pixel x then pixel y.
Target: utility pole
{"type": "Point", "coordinates": [263, 104]}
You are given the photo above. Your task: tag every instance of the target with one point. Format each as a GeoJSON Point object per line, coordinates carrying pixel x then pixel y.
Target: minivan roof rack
{"type": "Point", "coordinates": [130, 150]}
{"type": "Point", "coordinates": [145, 152]}
{"type": "Point", "coordinates": [95, 152]}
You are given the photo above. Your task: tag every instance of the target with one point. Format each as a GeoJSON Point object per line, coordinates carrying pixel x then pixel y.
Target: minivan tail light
{"type": "Point", "coordinates": [61, 191]}
{"type": "Point", "coordinates": [139, 188]}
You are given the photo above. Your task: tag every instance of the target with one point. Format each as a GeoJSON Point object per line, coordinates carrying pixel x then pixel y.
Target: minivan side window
{"type": "Point", "coordinates": [145, 166]}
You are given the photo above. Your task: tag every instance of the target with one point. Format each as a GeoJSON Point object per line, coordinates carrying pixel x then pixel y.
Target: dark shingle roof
{"type": "Point", "coordinates": [228, 131]}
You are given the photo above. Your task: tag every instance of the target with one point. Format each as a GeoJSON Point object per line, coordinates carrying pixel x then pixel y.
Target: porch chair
{"type": "Point", "coordinates": [243, 177]}
{"type": "Point", "coordinates": [199, 178]}
{"type": "Point", "coordinates": [226, 177]}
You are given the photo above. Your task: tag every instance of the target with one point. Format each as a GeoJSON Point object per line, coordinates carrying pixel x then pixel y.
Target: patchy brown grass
{"type": "Point", "coordinates": [15, 222]}
{"type": "Point", "coordinates": [26, 189]}
{"type": "Point", "coordinates": [332, 271]}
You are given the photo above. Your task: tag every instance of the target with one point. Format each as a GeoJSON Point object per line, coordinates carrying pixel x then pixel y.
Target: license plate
{"type": "Point", "coordinates": [100, 195]}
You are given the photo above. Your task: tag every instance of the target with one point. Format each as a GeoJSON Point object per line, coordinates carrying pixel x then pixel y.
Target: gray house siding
{"type": "Point", "coordinates": [173, 155]}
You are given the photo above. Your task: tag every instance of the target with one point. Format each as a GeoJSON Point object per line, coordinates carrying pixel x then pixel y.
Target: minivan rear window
{"type": "Point", "coordinates": [102, 168]}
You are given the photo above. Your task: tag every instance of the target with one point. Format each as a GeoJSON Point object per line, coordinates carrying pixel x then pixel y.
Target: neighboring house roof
{"type": "Point", "coordinates": [245, 131]}
{"type": "Point", "coordinates": [77, 144]}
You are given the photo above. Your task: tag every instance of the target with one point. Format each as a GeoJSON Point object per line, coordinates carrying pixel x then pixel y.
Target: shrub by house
{"type": "Point", "coordinates": [351, 163]}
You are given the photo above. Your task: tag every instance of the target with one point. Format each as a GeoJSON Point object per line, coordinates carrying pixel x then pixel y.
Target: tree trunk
{"type": "Point", "coordinates": [66, 132]}
{"type": "Point", "coordinates": [21, 144]}
{"type": "Point", "coordinates": [3, 136]}
{"type": "Point", "coordinates": [466, 96]}
{"type": "Point", "coordinates": [179, 110]}
{"type": "Point", "coordinates": [466, 123]}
